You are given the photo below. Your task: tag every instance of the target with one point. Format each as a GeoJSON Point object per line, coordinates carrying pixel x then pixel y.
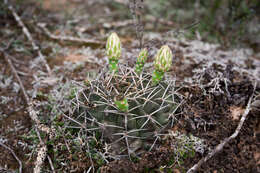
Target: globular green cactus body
{"type": "Point", "coordinates": [118, 115]}
{"type": "Point", "coordinates": [129, 108]}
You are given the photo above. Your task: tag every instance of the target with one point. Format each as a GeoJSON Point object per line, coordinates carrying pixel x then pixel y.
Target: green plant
{"type": "Point", "coordinates": [127, 108]}
{"type": "Point", "coordinates": [122, 104]}
{"type": "Point", "coordinates": [113, 51]}
{"type": "Point", "coordinates": [123, 113]}
{"type": "Point", "coordinates": [162, 63]}
{"type": "Point", "coordinates": [184, 146]}
{"type": "Point", "coordinates": [141, 59]}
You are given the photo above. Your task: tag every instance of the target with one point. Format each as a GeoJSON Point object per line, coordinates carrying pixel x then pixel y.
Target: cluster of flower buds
{"type": "Point", "coordinates": [162, 63]}
{"type": "Point", "coordinates": [113, 51]}
{"type": "Point", "coordinates": [141, 59]}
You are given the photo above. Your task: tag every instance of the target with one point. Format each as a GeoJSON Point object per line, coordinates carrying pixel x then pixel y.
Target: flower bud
{"type": "Point", "coordinates": [141, 59]}
{"type": "Point", "coordinates": [142, 56]}
{"type": "Point", "coordinates": [163, 59]}
{"type": "Point", "coordinates": [122, 105]}
{"type": "Point", "coordinates": [113, 47]}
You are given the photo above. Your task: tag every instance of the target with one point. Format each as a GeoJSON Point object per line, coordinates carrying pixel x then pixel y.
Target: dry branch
{"type": "Point", "coordinates": [109, 25]}
{"type": "Point", "coordinates": [121, 2]}
{"type": "Point", "coordinates": [18, 160]}
{"type": "Point", "coordinates": [152, 19]}
{"type": "Point", "coordinates": [87, 42]}
{"type": "Point", "coordinates": [32, 113]}
{"type": "Point", "coordinates": [220, 146]}
{"type": "Point", "coordinates": [125, 23]}
{"type": "Point", "coordinates": [29, 37]}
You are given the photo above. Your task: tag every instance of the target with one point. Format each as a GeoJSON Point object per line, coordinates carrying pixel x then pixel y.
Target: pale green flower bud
{"type": "Point", "coordinates": [163, 59]}
{"type": "Point", "coordinates": [122, 105]}
{"type": "Point", "coordinates": [142, 56]}
{"type": "Point", "coordinates": [113, 47]}
{"type": "Point", "coordinates": [141, 59]}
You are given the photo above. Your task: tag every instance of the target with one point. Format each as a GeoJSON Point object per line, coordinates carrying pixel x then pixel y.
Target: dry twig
{"type": "Point", "coordinates": [18, 160]}
{"type": "Point", "coordinates": [120, 24]}
{"type": "Point", "coordinates": [87, 42]}
{"type": "Point", "coordinates": [29, 37]}
{"type": "Point", "coordinates": [121, 2]}
{"type": "Point", "coordinates": [42, 155]}
{"type": "Point", "coordinates": [109, 25]}
{"type": "Point", "coordinates": [136, 7]}
{"type": "Point", "coordinates": [220, 146]}
{"type": "Point", "coordinates": [31, 111]}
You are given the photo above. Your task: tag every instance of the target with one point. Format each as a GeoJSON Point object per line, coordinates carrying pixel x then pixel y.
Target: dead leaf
{"type": "Point", "coordinates": [236, 112]}
{"type": "Point", "coordinates": [257, 158]}
{"type": "Point", "coordinates": [176, 171]}
{"type": "Point", "coordinates": [75, 58]}
{"type": "Point", "coordinates": [50, 81]}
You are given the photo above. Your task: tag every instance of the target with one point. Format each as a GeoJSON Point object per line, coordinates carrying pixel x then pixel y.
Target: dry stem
{"type": "Point", "coordinates": [18, 160]}
{"type": "Point", "coordinates": [220, 146]}
{"type": "Point", "coordinates": [29, 37]}
{"type": "Point", "coordinates": [68, 38]}
{"type": "Point", "coordinates": [31, 111]}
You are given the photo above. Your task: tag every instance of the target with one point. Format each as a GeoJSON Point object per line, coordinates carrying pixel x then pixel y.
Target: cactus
{"type": "Point", "coordinates": [162, 63]}
{"type": "Point", "coordinates": [141, 59]}
{"type": "Point", "coordinates": [122, 105]}
{"type": "Point", "coordinates": [127, 109]}
{"type": "Point", "coordinates": [113, 51]}
{"type": "Point", "coordinates": [120, 115]}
